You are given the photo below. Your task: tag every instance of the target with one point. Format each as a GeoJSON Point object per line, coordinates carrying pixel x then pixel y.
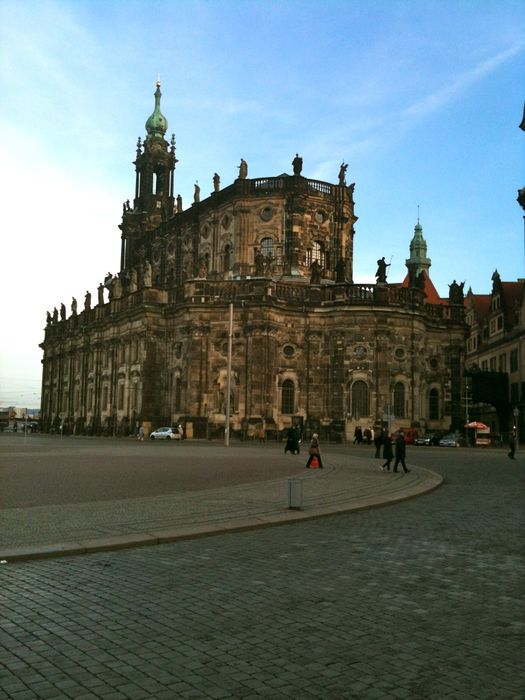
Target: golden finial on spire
{"type": "Point", "coordinates": [158, 80]}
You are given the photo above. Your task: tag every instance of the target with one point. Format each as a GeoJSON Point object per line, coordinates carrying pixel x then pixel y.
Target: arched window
{"type": "Point", "coordinates": [360, 400]}
{"type": "Point", "coordinates": [267, 247]}
{"type": "Point", "coordinates": [316, 252]}
{"type": "Point", "coordinates": [399, 400]}
{"type": "Point", "coordinates": [433, 404]}
{"type": "Point", "coordinates": [288, 397]}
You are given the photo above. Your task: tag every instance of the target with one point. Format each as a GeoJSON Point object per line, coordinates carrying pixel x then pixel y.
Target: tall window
{"type": "Point", "coordinates": [433, 404]}
{"type": "Point", "coordinates": [267, 247]}
{"type": "Point", "coordinates": [316, 252]}
{"type": "Point", "coordinates": [288, 397]}
{"type": "Point", "coordinates": [399, 400]}
{"type": "Point", "coordinates": [360, 400]}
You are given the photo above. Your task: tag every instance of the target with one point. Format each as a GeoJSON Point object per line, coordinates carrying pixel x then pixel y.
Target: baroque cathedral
{"type": "Point", "coordinates": [243, 305]}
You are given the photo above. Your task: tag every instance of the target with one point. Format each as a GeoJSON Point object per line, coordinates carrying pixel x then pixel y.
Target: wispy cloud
{"type": "Point", "coordinates": [435, 101]}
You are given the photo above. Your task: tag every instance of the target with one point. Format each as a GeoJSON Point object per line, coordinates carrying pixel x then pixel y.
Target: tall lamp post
{"type": "Point", "coordinates": [229, 380]}
{"type": "Point", "coordinates": [516, 414]}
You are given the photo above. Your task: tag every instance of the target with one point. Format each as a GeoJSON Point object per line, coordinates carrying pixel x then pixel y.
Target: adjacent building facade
{"type": "Point", "coordinates": [308, 345]}
{"type": "Point", "coordinates": [495, 354]}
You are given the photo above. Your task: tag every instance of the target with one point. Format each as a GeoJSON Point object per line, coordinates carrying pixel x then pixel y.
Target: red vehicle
{"type": "Point", "coordinates": [410, 434]}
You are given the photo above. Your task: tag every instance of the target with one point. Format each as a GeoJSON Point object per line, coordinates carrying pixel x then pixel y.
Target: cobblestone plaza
{"type": "Point", "coordinates": [419, 599]}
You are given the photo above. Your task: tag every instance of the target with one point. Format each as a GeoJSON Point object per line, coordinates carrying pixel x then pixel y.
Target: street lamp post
{"type": "Point", "coordinates": [516, 414]}
{"type": "Point", "coordinates": [228, 380]}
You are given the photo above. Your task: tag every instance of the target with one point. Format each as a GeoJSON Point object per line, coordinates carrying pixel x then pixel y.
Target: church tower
{"type": "Point", "coordinates": [154, 186]}
{"type": "Point", "coordinates": [418, 261]}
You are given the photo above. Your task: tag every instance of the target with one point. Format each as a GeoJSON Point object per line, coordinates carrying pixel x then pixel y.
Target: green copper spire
{"type": "Point", "coordinates": [157, 124]}
{"type": "Point", "coordinates": [418, 261]}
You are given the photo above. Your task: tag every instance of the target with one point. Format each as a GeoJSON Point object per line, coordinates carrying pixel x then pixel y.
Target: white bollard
{"type": "Point", "coordinates": [295, 493]}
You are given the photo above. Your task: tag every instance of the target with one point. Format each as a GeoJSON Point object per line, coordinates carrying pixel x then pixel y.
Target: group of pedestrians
{"type": "Point", "coordinates": [293, 441]}
{"type": "Point", "coordinates": [389, 451]}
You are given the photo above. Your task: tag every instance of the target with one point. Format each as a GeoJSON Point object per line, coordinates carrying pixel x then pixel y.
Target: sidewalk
{"type": "Point", "coordinates": [346, 484]}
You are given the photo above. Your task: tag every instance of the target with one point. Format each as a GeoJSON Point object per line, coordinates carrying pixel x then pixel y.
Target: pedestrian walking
{"type": "Point", "coordinates": [292, 441]}
{"type": "Point", "coordinates": [400, 452]}
{"type": "Point", "coordinates": [388, 454]}
{"type": "Point", "coordinates": [378, 441]}
{"type": "Point", "coordinates": [358, 435]}
{"type": "Point", "coordinates": [140, 436]}
{"type": "Point", "coordinates": [512, 444]}
{"type": "Point", "coordinates": [314, 451]}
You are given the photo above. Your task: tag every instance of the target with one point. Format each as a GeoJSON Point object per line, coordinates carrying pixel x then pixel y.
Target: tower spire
{"type": "Point", "coordinates": [157, 124]}
{"type": "Point", "coordinates": [418, 261]}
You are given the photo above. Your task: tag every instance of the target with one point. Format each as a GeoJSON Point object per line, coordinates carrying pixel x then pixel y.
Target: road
{"type": "Point", "coordinates": [422, 599]}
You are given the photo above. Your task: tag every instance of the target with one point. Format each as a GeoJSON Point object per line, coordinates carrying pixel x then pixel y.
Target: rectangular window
{"type": "Point", "coordinates": [492, 364]}
{"type": "Point", "coordinates": [120, 397]}
{"type": "Point", "coordinates": [502, 360]}
{"type": "Point", "coordinates": [514, 360]}
{"type": "Point", "coordinates": [484, 365]}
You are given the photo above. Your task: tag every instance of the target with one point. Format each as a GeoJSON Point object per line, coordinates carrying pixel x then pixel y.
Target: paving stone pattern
{"type": "Point", "coordinates": [421, 599]}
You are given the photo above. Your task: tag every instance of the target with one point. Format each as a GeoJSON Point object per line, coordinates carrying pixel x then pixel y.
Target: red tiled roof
{"type": "Point", "coordinates": [431, 295]}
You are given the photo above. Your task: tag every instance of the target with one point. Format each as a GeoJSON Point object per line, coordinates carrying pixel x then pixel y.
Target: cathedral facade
{"type": "Point", "coordinates": [243, 305]}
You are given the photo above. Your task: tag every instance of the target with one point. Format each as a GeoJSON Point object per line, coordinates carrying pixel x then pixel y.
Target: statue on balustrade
{"type": "Point", "coordinates": [147, 277]}
{"type": "Point", "coordinates": [315, 272]}
{"type": "Point", "coordinates": [87, 301]}
{"type": "Point", "coordinates": [340, 271]}
{"type": "Point", "coordinates": [62, 312]}
{"type": "Point", "coordinates": [243, 169]}
{"type": "Point", "coordinates": [381, 270]}
{"type": "Point", "coordinates": [342, 173]}
{"type": "Point", "coordinates": [259, 263]}
{"type": "Point", "coordinates": [297, 164]}
{"type": "Point", "coordinates": [101, 294]}
{"type": "Point", "coordinates": [133, 281]}
{"type": "Point", "coordinates": [73, 307]}
{"type": "Point", "coordinates": [216, 182]}
{"type": "Point", "coordinates": [455, 294]}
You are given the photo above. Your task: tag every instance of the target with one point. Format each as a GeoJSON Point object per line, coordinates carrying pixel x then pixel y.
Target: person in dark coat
{"type": "Point", "coordinates": [388, 454]}
{"type": "Point", "coordinates": [512, 444]}
{"type": "Point", "coordinates": [292, 442]}
{"type": "Point", "coordinates": [400, 452]}
{"type": "Point", "coordinates": [314, 451]}
{"type": "Point", "coordinates": [378, 441]}
{"type": "Point", "coordinates": [358, 435]}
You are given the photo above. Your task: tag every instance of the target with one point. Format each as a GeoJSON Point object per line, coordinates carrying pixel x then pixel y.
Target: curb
{"type": "Point", "coordinates": [286, 517]}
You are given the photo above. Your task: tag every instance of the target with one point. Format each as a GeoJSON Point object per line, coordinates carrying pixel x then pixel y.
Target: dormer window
{"type": "Point", "coordinates": [496, 303]}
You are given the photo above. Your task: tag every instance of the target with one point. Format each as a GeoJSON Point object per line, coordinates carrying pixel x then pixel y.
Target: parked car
{"type": "Point", "coordinates": [166, 434]}
{"type": "Point", "coordinates": [450, 440]}
{"type": "Point", "coordinates": [426, 439]}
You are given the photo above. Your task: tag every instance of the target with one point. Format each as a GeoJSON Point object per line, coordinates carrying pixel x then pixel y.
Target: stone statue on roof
{"type": "Point", "coordinates": [243, 169]}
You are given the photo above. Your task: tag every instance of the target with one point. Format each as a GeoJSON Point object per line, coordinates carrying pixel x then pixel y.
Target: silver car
{"type": "Point", "coordinates": [450, 440]}
{"type": "Point", "coordinates": [166, 434]}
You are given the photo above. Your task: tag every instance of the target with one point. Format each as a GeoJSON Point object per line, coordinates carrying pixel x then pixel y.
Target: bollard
{"type": "Point", "coordinates": [295, 493]}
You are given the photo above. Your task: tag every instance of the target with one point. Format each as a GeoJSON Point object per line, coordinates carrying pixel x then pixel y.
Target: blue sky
{"type": "Point", "coordinates": [422, 99]}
